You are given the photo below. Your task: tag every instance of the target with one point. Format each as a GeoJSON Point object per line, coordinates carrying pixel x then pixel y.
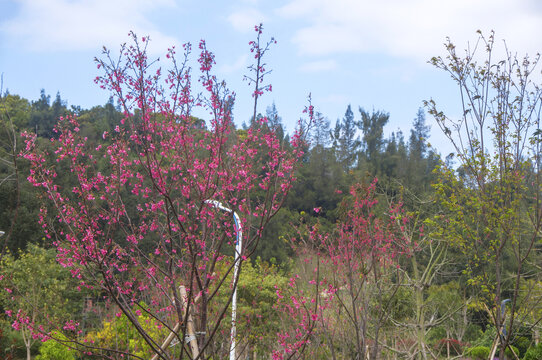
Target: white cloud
{"type": "Point", "coordinates": [318, 66]}
{"type": "Point", "coordinates": [245, 20]}
{"type": "Point", "coordinates": [414, 29]}
{"type": "Point", "coordinates": [62, 25]}
{"type": "Point", "coordinates": [240, 63]}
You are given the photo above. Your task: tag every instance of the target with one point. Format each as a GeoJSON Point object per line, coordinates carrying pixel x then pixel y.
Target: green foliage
{"type": "Point", "coordinates": [119, 334]}
{"type": "Point", "coordinates": [14, 110]}
{"type": "Point", "coordinates": [39, 285]}
{"type": "Point", "coordinates": [421, 158]}
{"type": "Point", "coordinates": [508, 351]}
{"type": "Point", "coordinates": [372, 126]}
{"type": "Point", "coordinates": [99, 119]}
{"type": "Point", "coordinates": [472, 333]}
{"type": "Point", "coordinates": [12, 345]}
{"type": "Point", "coordinates": [491, 202]}
{"type": "Point", "coordinates": [274, 244]}
{"type": "Point", "coordinates": [394, 160]}
{"type": "Point", "coordinates": [346, 142]}
{"type": "Point", "coordinates": [479, 352]}
{"type": "Point", "coordinates": [44, 115]}
{"type": "Point", "coordinates": [21, 216]}
{"type": "Point", "coordinates": [534, 353]}
{"type": "Point", "coordinates": [258, 318]}
{"type": "Point", "coordinates": [522, 343]}
{"type": "Point", "coordinates": [530, 295]}
{"type": "Point", "coordinates": [487, 337]}
{"type": "Point", "coordinates": [401, 303]}
{"type": "Point", "coordinates": [53, 350]}
{"type": "Point", "coordinates": [44, 291]}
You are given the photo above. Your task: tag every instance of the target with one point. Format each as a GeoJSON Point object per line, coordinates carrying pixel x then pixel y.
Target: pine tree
{"type": "Point", "coordinates": [421, 162]}
{"type": "Point", "coordinates": [372, 126]}
{"type": "Point", "coordinates": [347, 141]}
{"type": "Point", "coordinates": [274, 120]}
{"type": "Point", "coordinates": [320, 135]}
{"type": "Point", "coordinates": [417, 144]}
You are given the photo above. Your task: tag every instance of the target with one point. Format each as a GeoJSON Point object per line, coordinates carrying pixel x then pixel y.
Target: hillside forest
{"type": "Point", "coordinates": [131, 228]}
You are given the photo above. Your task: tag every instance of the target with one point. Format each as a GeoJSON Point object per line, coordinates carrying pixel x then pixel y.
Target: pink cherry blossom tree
{"type": "Point", "coordinates": [136, 225]}
{"type": "Point", "coordinates": [348, 278]}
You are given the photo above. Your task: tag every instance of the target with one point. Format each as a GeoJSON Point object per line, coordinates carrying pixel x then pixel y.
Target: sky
{"type": "Point", "coordinates": [369, 54]}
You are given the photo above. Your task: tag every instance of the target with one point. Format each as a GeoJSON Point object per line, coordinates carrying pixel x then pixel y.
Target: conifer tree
{"type": "Point", "coordinates": [372, 126]}
{"type": "Point", "coordinates": [346, 139]}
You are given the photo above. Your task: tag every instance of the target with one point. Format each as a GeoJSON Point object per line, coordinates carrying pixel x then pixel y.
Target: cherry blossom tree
{"type": "Point", "coordinates": [347, 280]}
{"type": "Point", "coordinates": [137, 225]}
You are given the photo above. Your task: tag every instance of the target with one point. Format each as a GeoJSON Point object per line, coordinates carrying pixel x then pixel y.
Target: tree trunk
{"type": "Point", "coordinates": [420, 318]}
{"type": "Point", "coordinates": [447, 344]}
{"type": "Point", "coordinates": [27, 343]}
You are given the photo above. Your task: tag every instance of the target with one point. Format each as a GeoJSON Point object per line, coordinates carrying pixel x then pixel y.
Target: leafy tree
{"type": "Point", "coordinates": [38, 292]}
{"type": "Point", "coordinates": [99, 119]}
{"type": "Point", "coordinates": [16, 110]}
{"type": "Point", "coordinates": [336, 135]}
{"type": "Point", "coordinates": [494, 205]}
{"type": "Point", "coordinates": [321, 181]}
{"type": "Point", "coordinates": [422, 268]}
{"type": "Point", "coordinates": [11, 109]}
{"type": "Point", "coordinates": [273, 246]}
{"type": "Point", "coordinates": [17, 197]}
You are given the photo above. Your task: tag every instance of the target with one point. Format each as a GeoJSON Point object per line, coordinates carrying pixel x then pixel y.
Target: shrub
{"type": "Point", "coordinates": [478, 352]}
{"type": "Point", "coordinates": [534, 353]}
{"type": "Point", "coordinates": [53, 350]}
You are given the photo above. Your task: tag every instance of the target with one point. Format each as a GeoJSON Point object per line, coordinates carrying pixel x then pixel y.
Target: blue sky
{"type": "Point", "coordinates": [365, 53]}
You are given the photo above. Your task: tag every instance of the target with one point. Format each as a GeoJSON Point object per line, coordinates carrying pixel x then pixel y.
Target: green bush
{"type": "Point", "coordinates": [534, 353]}
{"type": "Point", "coordinates": [482, 352]}
{"type": "Point", "coordinates": [479, 352]}
{"type": "Point", "coordinates": [53, 350]}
